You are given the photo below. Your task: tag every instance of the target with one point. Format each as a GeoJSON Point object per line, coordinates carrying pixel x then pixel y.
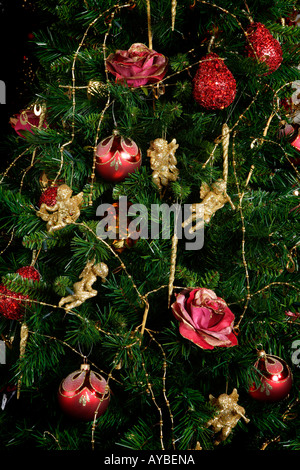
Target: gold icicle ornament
{"type": "Point", "coordinates": [172, 267]}
{"type": "Point", "coordinates": [23, 342]}
{"type": "Point", "coordinates": [163, 161]}
{"type": "Point", "coordinates": [83, 289]}
{"type": "Point", "coordinates": [173, 13]}
{"type": "Point", "coordinates": [213, 197]}
{"type": "Point", "coordinates": [228, 415]}
{"type": "Point", "coordinates": [66, 210]}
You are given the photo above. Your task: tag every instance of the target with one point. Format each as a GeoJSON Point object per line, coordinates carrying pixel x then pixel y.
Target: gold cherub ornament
{"type": "Point", "coordinates": [83, 289]}
{"type": "Point", "coordinates": [213, 199]}
{"type": "Point", "coordinates": [228, 415]}
{"type": "Point", "coordinates": [65, 211]}
{"type": "Point", "coordinates": [163, 161]}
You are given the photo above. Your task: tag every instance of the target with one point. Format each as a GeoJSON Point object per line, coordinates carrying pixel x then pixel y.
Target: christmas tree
{"type": "Point", "coordinates": [150, 230]}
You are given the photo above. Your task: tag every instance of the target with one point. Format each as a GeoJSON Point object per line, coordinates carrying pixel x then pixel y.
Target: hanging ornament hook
{"type": "Point", "coordinates": [37, 109]}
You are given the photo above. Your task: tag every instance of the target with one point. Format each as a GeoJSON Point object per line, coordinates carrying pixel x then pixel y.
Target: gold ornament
{"type": "Point", "coordinates": [173, 13]}
{"type": "Point", "coordinates": [163, 161]}
{"type": "Point", "coordinates": [149, 23]}
{"type": "Point", "coordinates": [214, 197]}
{"type": "Point", "coordinates": [66, 210]}
{"type": "Point", "coordinates": [45, 182]}
{"type": "Point", "coordinates": [83, 289]}
{"type": "Point", "coordinates": [23, 342]}
{"type": "Point", "coordinates": [172, 267]}
{"type": "Point", "coordinates": [197, 447]}
{"type": "Point", "coordinates": [95, 87]}
{"type": "Point", "coordinates": [228, 414]}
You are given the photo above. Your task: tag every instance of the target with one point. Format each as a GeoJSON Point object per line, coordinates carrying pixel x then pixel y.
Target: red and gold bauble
{"type": "Point", "coordinates": [295, 142]}
{"type": "Point", "coordinates": [263, 46]}
{"type": "Point", "coordinates": [11, 305]}
{"type": "Point", "coordinates": [117, 157]}
{"type": "Point", "coordinates": [214, 84]}
{"type": "Point", "coordinates": [291, 132]}
{"type": "Point", "coordinates": [27, 120]}
{"type": "Point", "coordinates": [84, 394]}
{"type": "Point", "coordinates": [275, 379]}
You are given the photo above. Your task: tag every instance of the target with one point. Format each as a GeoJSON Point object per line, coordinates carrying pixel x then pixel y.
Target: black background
{"type": "Point", "coordinates": [18, 20]}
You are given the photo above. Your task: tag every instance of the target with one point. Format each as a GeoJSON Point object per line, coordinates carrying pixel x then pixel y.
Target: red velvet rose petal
{"type": "Point", "coordinates": [192, 335]}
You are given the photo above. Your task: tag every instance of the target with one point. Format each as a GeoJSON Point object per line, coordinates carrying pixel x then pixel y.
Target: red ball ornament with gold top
{"type": "Point", "coordinates": [84, 394]}
{"type": "Point", "coordinates": [117, 157]}
{"type": "Point", "coordinates": [275, 379]}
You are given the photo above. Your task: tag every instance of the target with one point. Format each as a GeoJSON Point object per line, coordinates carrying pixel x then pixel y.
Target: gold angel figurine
{"type": "Point", "coordinates": [65, 211]}
{"type": "Point", "coordinates": [163, 161]}
{"type": "Point", "coordinates": [228, 415]}
{"type": "Point", "coordinates": [83, 289]}
{"type": "Point", "coordinates": [213, 199]}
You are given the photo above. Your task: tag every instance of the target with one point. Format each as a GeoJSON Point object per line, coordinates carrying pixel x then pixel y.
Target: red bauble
{"type": "Point", "coordinates": [26, 121]}
{"type": "Point", "coordinates": [214, 84]}
{"type": "Point", "coordinates": [83, 394]}
{"type": "Point", "coordinates": [11, 305]}
{"type": "Point", "coordinates": [275, 379]}
{"type": "Point", "coordinates": [292, 133]}
{"type": "Point", "coordinates": [263, 46]}
{"type": "Point", "coordinates": [117, 156]}
{"type": "Point", "coordinates": [48, 197]}
{"type": "Point", "coordinates": [29, 272]}
{"type": "Point", "coordinates": [296, 144]}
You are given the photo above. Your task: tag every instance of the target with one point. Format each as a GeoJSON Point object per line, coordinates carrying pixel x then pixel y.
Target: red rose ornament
{"type": "Point", "coordinates": [138, 66]}
{"type": "Point", "coordinates": [205, 319]}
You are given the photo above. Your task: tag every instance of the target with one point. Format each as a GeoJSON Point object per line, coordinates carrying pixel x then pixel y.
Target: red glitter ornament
{"type": "Point", "coordinates": [48, 197]}
{"type": "Point", "coordinates": [29, 272]}
{"type": "Point", "coordinates": [117, 156]}
{"type": "Point", "coordinates": [264, 47]}
{"type": "Point", "coordinates": [11, 305]}
{"type": "Point", "coordinates": [84, 394]}
{"type": "Point", "coordinates": [275, 379]}
{"type": "Point", "coordinates": [214, 84]}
